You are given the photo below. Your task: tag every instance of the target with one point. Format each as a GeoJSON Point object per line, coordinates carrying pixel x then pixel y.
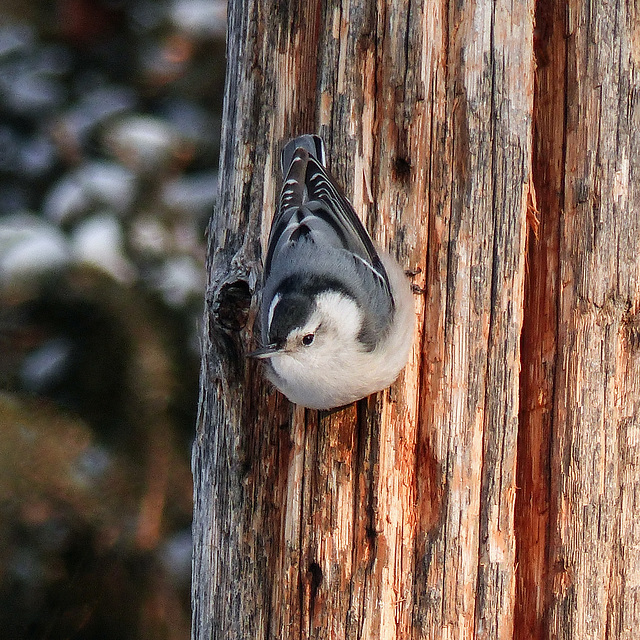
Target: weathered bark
{"type": "Point", "coordinates": [394, 518]}
{"type": "Point", "coordinates": [579, 459]}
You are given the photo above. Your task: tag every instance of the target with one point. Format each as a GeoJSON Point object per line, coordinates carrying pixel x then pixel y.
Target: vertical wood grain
{"type": "Point", "coordinates": [490, 492]}
{"type": "Point", "coordinates": [595, 458]}
{"type": "Point", "coordinates": [539, 332]}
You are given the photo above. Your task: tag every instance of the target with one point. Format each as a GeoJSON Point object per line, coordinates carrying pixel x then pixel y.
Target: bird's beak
{"type": "Point", "coordinates": [264, 352]}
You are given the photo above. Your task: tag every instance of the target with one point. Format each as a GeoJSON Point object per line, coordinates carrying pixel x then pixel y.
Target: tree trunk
{"type": "Point", "coordinates": [579, 446]}
{"type": "Point", "coordinates": [492, 491]}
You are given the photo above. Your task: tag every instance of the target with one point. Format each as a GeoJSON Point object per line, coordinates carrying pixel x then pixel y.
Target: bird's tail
{"type": "Point", "coordinates": [310, 142]}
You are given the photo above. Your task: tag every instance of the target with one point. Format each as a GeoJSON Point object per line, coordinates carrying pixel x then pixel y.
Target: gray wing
{"type": "Point", "coordinates": [313, 207]}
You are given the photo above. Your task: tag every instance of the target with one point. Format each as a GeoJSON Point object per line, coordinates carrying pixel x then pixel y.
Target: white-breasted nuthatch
{"type": "Point", "coordinates": [337, 318]}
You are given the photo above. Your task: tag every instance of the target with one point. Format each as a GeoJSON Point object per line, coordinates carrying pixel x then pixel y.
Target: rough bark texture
{"type": "Point", "coordinates": [579, 453]}
{"type": "Point", "coordinates": [492, 492]}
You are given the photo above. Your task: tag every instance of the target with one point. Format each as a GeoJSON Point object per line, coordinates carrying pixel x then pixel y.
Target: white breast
{"type": "Point", "coordinates": [340, 371]}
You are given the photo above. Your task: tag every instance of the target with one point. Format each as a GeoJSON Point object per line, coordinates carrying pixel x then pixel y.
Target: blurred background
{"type": "Point", "coordinates": [109, 135]}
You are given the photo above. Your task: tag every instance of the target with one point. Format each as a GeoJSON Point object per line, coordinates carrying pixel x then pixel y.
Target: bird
{"type": "Point", "coordinates": [337, 316]}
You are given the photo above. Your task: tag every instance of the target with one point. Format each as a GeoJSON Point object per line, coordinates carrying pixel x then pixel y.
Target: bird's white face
{"type": "Point", "coordinates": [324, 344]}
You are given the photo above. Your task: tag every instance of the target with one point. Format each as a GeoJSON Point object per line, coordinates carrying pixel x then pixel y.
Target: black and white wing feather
{"type": "Point", "coordinates": [312, 206]}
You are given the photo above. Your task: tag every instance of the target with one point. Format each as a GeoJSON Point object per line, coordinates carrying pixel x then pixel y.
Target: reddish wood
{"type": "Point", "coordinates": [488, 493]}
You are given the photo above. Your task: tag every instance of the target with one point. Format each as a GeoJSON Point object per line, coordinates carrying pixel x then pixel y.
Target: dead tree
{"type": "Point", "coordinates": [492, 492]}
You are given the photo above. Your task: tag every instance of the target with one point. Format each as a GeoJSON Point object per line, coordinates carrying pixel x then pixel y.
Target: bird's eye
{"type": "Point", "coordinates": [308, 339]}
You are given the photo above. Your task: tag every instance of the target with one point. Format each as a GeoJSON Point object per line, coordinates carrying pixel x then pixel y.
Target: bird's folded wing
{"type": "Point", "coordinates": [312, 205]}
